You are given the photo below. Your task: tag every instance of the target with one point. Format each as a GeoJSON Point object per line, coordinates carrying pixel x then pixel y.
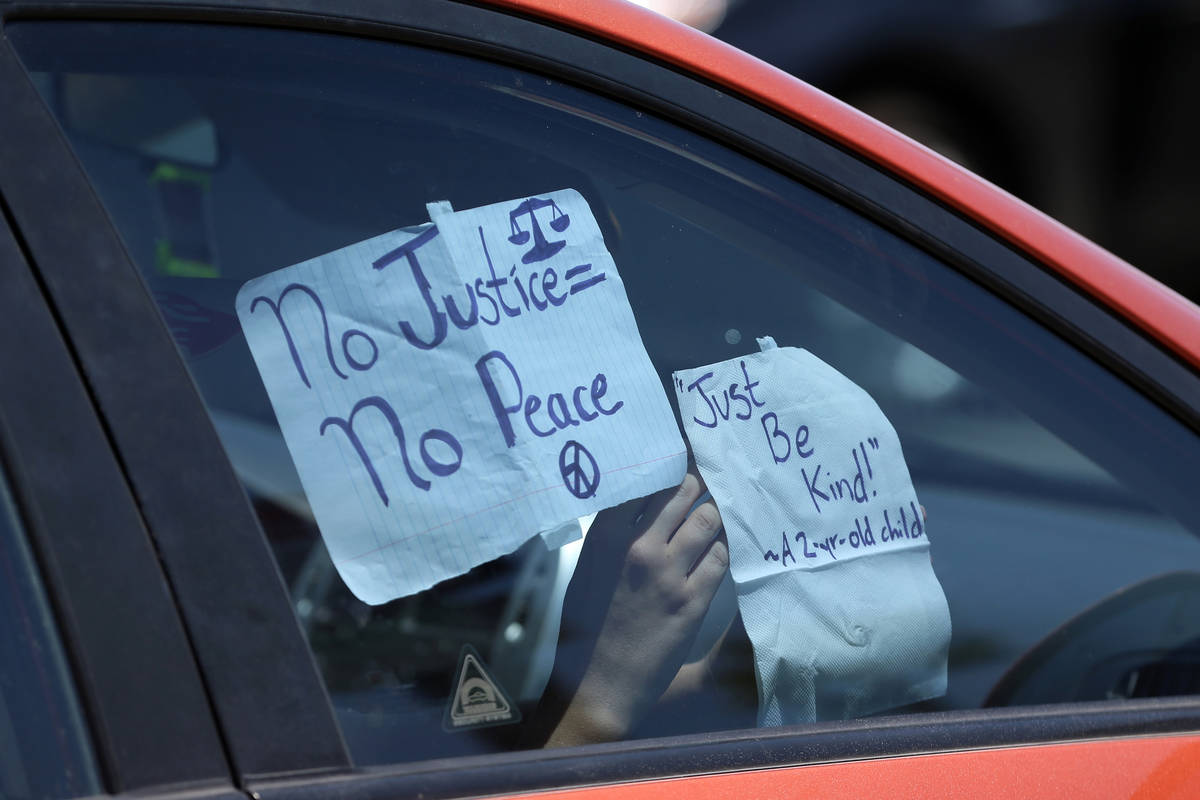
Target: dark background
{"type": "Point", "coordinates": [1086, 110]}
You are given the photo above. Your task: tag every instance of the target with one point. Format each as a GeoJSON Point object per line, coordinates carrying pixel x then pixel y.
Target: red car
{"type": "Point", "coordinates": [177, 626]}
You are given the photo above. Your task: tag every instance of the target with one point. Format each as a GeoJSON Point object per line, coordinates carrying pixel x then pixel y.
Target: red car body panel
{"type": "Point", "coordinates": [1163, 768]}
{"type": "Point", "coordinates": [1168, 317]}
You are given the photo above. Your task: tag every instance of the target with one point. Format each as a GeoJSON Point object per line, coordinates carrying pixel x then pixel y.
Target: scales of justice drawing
{"type": "Point", "coordinates": [542, 248]}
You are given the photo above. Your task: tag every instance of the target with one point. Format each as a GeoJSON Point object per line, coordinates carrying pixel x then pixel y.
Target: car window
{"type": "Point", "coordinates": [1061, 531]}
{"type": "Point", "coordinates": [44, 749]}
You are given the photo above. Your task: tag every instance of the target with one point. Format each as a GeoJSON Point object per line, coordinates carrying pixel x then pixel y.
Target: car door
{"type": "Point", "coordinates": [100, 687]}
{"type": "Point", "coordinates": [160, 158]}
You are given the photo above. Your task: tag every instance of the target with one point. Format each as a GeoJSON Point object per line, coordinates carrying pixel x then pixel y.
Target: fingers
{"type": "Point", "coordinates": [695, 537]}
{"type": "Point", "coordinates": [689, 538]}
{"type": "Point", "coordinates": [710, 568]}
{"type": "Point", "coordinates": [667, 532]}
{"type": "Point", "coordinates": [669, 509]}
{"type": "Point", "coordinates": [640, 512]}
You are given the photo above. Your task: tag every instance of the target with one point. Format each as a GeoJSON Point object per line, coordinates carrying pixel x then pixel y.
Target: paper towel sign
{"type": "Point", "coordinates": [827, 541]}
{"type": "Point", "coordinates": [450, 390]}
{"type": "Point", "coordinates": [827, 477]}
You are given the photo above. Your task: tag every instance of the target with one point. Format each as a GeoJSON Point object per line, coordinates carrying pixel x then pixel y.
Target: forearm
{"type": "Point", "coordinates": [589, 718]}
{"type": "Point", "coordinates": [669, 572]}
{"type": "Point", "coordinates": [610, 700]}
{"type": "Point", "coordinates": [688, 681]}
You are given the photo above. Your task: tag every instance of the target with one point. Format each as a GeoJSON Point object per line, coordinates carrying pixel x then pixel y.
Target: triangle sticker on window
{"type": "Point", "coordinates": [478, 700]}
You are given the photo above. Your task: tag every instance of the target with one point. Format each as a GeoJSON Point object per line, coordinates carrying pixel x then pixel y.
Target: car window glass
{"type": "Point", "coordinates": [1050, 485]}
{"type": "Point", "coordinates": [44, 749]}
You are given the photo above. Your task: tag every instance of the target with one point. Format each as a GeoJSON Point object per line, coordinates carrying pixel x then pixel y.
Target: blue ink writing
{"type": "Point", "coordinates": [485, 300]}
{"type": "Point", "coordinates": [787, 552]}
{"type": "Point", "coordinates": [811, 485]}
{"type": "Point", "coordinates": [774, 433]}
{"type": "Point", "coordinates": [854, 485]}
{"type": "Point", "coordinates": [349, 336]}
{"type": "Point", "coordinates": [439, 468]}
{"type": "Point", "coordinates": [889, 532]}
{"type": "Point", "coordinates": [720, 406]}
{"type": "Point", "coordinates": [750, 386]}
{"type": "Point", "coordinates": [829, 545]}
{"type": "Point", "coordinates": [904, 524]}
{"type": "Point", "coordinates": [276, 306]}
{"type": "Point", "coordinates": [575, 272]}
{"type": "Point", "coordinates": [802, 537]}
{"type": "Point", "coordinates": [506, 395]}
{"type": "Point", "coordinates": [496, 283]}
{"type": "Point", "coordinates": [408, 251]}
{"type": "Point", "coordinates": [862, 536]}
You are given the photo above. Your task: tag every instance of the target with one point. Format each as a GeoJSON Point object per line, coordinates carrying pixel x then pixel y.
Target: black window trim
{"type": "Point", "coordinates": [219, 568]}
{"type": "Point", "coordinates": [143, 701]}
{"type": "Point", "coordinates": [708, 754]}
{"type": "Point", "coordinates": [304, 738]}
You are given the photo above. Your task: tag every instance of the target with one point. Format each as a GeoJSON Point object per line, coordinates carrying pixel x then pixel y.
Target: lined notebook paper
{"type": "Point", "coordinates": [449, 390]}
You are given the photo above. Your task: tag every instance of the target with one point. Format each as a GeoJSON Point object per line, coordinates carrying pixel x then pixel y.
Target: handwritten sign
{"type": "Point", "coordinates": [450, 390]}
{"type": "Point", "coordinates": [828, 547]}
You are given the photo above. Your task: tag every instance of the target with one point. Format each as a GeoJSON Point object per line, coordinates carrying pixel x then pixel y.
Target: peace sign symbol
{"type": "Point", "coordinates": [580, 474]}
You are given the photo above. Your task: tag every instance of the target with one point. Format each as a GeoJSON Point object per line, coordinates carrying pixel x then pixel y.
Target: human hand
{"type": "Point", "coordinates": [667, 565]}
{"type": "Point", "coordinates": [694, 677]}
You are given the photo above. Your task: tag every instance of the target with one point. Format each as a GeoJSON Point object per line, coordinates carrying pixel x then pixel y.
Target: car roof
{"type": "Point", "coordinates": [1164, 314]}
